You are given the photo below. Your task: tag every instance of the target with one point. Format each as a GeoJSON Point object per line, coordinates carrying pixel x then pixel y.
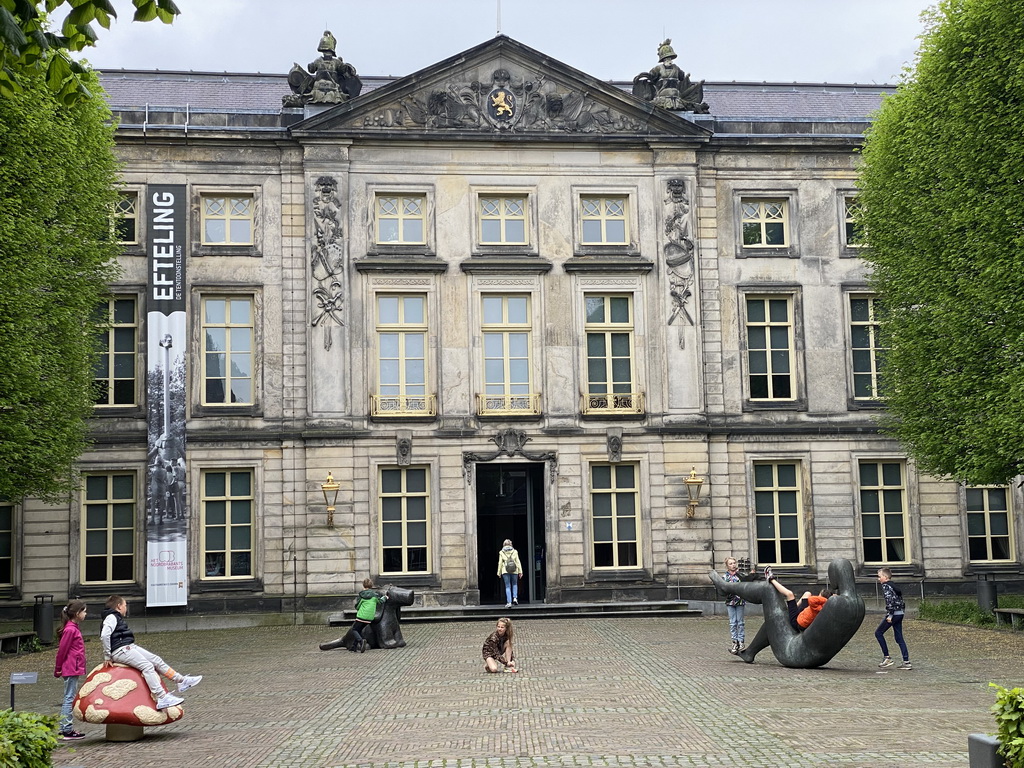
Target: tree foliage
{"type": "Point", "coordinates": [29, 47]}
{"type": "Point", "coordinates": [943, 192]}
{"type": "Point", "coordinates": [58, 180]}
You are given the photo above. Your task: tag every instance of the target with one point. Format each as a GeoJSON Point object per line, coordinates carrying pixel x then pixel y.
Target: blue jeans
{"type": "Point", "coordinates": [897, 632]}
{"type": "Point", "coordinates": [511, 586]}
{"type": "Point", "coordinates": [70, 690]}
{"type": "Point", "coordinates": [736, 628]}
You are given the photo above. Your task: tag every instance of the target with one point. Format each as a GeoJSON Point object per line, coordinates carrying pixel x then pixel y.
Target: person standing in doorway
{"type": "Point", "coordinates": [511, 570]}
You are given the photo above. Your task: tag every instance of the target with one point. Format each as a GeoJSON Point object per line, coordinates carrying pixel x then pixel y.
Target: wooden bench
{"type": "Point", "coordinates": [11, 641]}
{"type": "Point", "coordinates": [1011, 616]}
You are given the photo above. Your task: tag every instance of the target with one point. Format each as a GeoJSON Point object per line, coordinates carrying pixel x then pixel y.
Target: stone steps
{"type": "Point", "coordinates": [531, 611]}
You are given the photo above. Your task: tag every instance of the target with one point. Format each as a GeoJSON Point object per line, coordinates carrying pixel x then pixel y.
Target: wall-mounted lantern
{"type": "Point", "coordinates": [693, 486]}
{"type": "Point", "coordinates": [330, 487]}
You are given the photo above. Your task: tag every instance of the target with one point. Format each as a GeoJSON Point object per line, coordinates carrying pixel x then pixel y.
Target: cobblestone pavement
{"type": "Point", "coordinates": [592, 692]}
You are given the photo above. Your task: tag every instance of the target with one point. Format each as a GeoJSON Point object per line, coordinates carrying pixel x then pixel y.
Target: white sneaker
{"type": "Point", "coordinates": [168, 700]}
{"type": "Point", "coordinates": [508, 605]}
{"type": "Point", "coordinates": [189, 681]}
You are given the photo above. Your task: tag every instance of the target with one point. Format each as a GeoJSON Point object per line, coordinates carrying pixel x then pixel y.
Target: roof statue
{"type": "Point", "coordinates": [668, 86]}
{"type": "Point", "coordinates": [327, 80]}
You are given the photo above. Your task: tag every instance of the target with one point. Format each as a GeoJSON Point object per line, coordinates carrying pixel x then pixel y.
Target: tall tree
{"type": "Point", "coordinates": [57, 191]}
{"type": "Point", "coordinates": [943, 193]}
{"type": "Point", "coordinates": [29, 47]}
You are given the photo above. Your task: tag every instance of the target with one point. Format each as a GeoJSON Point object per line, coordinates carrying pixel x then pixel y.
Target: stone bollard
{"type": "Point", "coordinates": [981, 750]}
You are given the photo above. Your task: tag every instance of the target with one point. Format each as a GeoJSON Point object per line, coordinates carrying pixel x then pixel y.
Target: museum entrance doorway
{"type": "Point", "coordinates": [510, 505]}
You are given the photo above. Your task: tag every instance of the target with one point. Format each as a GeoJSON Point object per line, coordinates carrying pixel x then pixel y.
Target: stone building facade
{"type": "Point", "coordinates": [499, 298]}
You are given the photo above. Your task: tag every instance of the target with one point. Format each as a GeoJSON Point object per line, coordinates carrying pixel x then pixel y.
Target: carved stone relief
{"type": "Point", "coordinates": [615, 445]}
{"type": "Point", "coordinates": [519, 102]}
{"type": "Point", "coordinates": [403, 447]}
{"type": "Point", "coordinates": [327, 258]}
{"type": "Point", "coordinates": [510, 443]}
{"type": "Point", "coordinates": [678, 251]}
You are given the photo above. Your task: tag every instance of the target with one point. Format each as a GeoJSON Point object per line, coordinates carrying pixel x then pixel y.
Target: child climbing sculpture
{"type": "Point", "coordinates": [834, 627]}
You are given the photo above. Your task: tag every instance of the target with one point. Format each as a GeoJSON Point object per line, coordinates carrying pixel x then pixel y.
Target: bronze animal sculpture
{"type": "Point", "coordinates": [834, 627]}
{"type": "Point", "coordinates": [384, 631]}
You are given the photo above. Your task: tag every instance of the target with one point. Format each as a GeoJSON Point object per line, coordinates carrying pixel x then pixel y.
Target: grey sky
{"type": "Point", "coordinates": [838, 41]}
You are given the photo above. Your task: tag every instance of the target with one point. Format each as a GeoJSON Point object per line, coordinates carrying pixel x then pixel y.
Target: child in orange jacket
{"type": "Point", "coordinates": [803, 611]}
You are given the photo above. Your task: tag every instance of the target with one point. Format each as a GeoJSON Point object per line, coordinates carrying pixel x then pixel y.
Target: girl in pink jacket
{"type": "Point", "coordinates": [70, 664]}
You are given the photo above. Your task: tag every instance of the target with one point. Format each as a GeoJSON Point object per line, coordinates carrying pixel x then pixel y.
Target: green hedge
{"type": "Point", "coordinates": [26, 739]}
{"type": "Point", "coordinates": [1009, 712]}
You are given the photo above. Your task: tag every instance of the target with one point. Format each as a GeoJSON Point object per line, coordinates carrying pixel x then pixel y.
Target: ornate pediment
{"type": "Point", "coordinates": [500, 87]}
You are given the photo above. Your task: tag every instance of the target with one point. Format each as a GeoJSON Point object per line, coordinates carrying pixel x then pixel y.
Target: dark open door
{"type": "Point", "coordinates": [510, 505]}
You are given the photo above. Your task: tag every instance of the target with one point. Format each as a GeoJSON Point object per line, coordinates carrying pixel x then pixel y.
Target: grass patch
{"type": "Point", "coordinates": [965, 611]}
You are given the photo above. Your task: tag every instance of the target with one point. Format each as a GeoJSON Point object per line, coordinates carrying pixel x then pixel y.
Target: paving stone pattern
{"type": "Point", "coordinates": [592, 692]}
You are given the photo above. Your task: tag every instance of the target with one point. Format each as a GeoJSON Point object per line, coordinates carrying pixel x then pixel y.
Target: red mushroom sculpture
{"type": "Point", "coordinates": [118, 695]}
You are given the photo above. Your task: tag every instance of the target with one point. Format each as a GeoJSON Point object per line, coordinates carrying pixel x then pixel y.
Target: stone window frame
{"type": "Point", "coordinates": [965, 493]}
{"type": "Point", "coordinates": [791, 250]}
{"type": "Point", "coordinates": [136, 247]}
{"type": "Point", "coordinates": [794, 293]}
{"type": "Point", "coordinates": [631, 246]}
{"type": "Point", "coordinates": [854, 403]}
{"type": "Point", "coordinates": [139, 378]}
{"type": "Point", "coordinates": [195, 372]}
{"type": "Point", "coordinates": [529, 195]}
{"type": "Point", "coordinates": [11, 589]}
{"type": "Point", "coordinates": [805, 541]}
{"type": "Point", "coordinates": [641, 491]}
{"type": "Point", "coordinates": [432, 534]}
{"type": "Point", "coordinates": [198, 192]}
{"type": "Point", "coordinates": [910, 533]}
{"type": "Point", "coordinates": [427, 247]}
{"type": "Point", "coordinates": [138, 501]}
{"type": "Point", "coordinates": [255, 551]}
{"type": "Point", "coordinates": [847, 250]}
{"type": "Point", "coordinates": [531, 399]}
{"type": "Point", "coordinates": [429, 410]}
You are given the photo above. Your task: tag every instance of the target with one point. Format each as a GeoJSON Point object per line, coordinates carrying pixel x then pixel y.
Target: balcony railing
{"type": "Point", "coordinates": [618, 403]}
{"type": "Point", "coordinates": [384, 406]}
{"type": "Point", "coordinates": [508, 405]}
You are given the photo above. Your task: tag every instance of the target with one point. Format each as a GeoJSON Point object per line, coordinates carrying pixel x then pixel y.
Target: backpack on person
{"type": "Point", "coordinates": [510, 565]}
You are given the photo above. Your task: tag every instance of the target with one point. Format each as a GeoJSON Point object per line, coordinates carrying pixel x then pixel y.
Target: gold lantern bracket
{"type": "Point", "coordinates": [693, 486]}
{"type": "Point", "coordinates": [330, 488]}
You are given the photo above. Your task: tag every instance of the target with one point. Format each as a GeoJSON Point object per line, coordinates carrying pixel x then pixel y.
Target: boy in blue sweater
{"type": "Point", "coordinates": [895, 608]}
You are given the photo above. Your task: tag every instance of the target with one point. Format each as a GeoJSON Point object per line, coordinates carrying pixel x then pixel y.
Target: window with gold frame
{"type": "Point", "coordinates": [503, 219]}
{"type": "Point", "coordinates": [228, 329]}
{"type": "Point", "coordinates": [227, 526]}
{"type": "Point", "coordinates": [770, 363]}
{"type": "Point", "coordinates": [765, 223]}
{"type": "Point", "coordinates": [400, 219]}
{"type": "Point", "coordinates": [615, 515]}
{"type": "Point", "coordinates": [404, 510]}
{"type": "Point", "coordinates": [883, 511]}
{"type": "Point", "coordinates": [227, 219]}
{"type": "Point", "coordinates": [116, 369]}
{"type": "Point", "coordinates": [866, 354]}
{"type": "Point", "coordinates": [108, 526]}
{"type": "Point", "coordinates": [778, 516]}
{"type": "Point", "coordinates": [853, 234]}
{"type": "Point", "coordinates": [989, 524]}
{"type": "Point", "coordinates": [126, 218]}
{"type": "Point", "coordinates": [611, 368]}
{"type": "Point", "coordinates": [604, 220]}
{"type": "Point", "coordinates": [402, 365]}
{"type": "Point", "coordinates": [507, 339]}
{"type": "Point", "coordinates": [6, 544]}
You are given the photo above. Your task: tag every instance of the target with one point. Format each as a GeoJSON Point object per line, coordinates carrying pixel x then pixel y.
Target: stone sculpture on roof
{"type": "Point", "coordinates": [327, 80]}
{"type": "Point", "coordinates": [668, 86]}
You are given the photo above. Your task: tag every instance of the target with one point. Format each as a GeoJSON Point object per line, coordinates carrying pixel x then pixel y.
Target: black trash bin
{"type": "Point", "coordinates": [988, 600]}
{"type": "Point", "coordinates": [42, 618]}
